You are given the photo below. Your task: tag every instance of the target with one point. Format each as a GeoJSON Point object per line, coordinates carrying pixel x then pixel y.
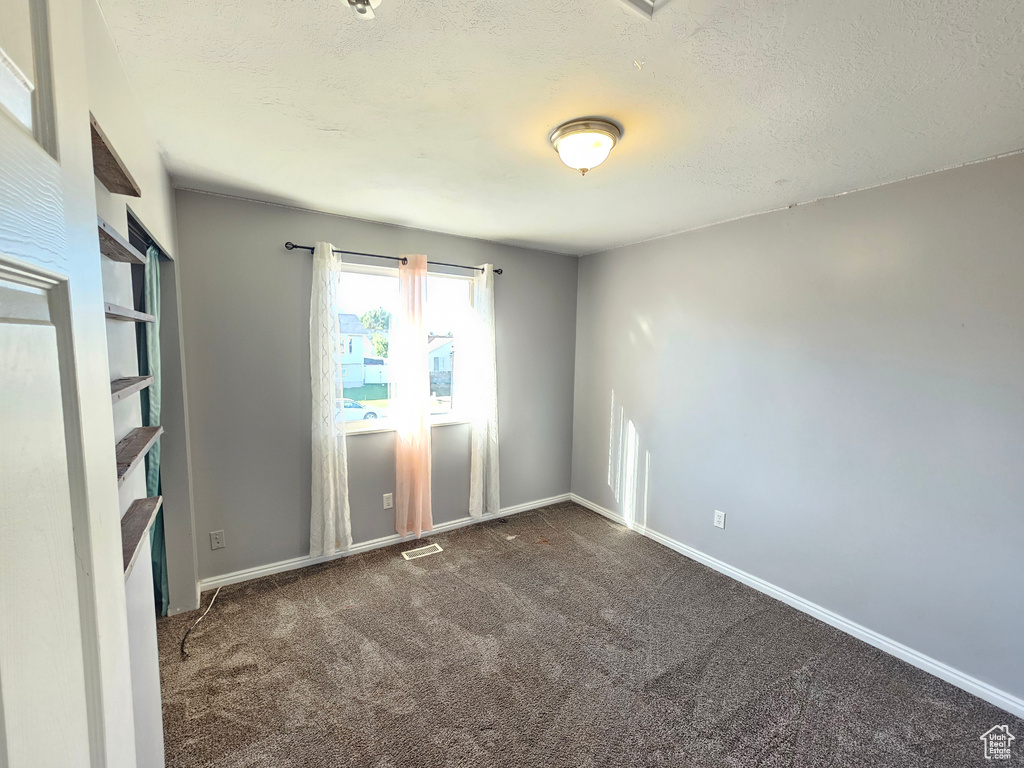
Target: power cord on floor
{"type": "Point", "coordinates": [184, 653]}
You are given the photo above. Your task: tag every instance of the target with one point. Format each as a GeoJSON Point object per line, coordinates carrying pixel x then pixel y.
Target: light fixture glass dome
{"type": "Point", "coordinates": [585, 144]}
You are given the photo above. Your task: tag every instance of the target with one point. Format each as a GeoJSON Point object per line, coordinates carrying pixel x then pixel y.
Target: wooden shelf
{"type": "Point", "coordinates": [133, 447]}
{"type": "Point", "coordinates": [108, 166]}
{"type": "Point", "coordinates": [134, 526]}
{"type": "Point", "coordinates": [117, 248]}
{"type": "Point", "coordinates": [114, 312]}
{"type": "Point", "coordinates": [121, 388]}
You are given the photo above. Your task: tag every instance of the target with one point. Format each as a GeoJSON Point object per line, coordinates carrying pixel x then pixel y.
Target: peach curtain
{"type": "Point", "coordinates": [410, 405]}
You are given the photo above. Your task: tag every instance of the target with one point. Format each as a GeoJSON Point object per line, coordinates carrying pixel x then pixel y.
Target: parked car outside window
{"type": "Point", "coordinates": [354, 411]}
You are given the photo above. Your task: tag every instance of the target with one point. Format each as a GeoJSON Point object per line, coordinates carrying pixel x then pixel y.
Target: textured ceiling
{"type": "Point", "coordinates": [436, 114]}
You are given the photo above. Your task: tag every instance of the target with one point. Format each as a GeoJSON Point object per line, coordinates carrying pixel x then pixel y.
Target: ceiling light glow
{"type": "Point", "coordinates": [584, 144]}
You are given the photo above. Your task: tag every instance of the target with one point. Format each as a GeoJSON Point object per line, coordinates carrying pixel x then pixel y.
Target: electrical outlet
{"type": "Point", "coordinates": [217, 540]}
{"type": "Point", "coordinates": [389, 501]}
{"type": "Point", "coordinates": [719, 519]}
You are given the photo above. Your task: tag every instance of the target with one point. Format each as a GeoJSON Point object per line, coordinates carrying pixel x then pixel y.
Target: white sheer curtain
{"type": "Point", "coordinates": [410, 404]}
{"type": "Point", "coordinates": [330, 528]}
{"type": "Point", "coordinates": [480, 392]}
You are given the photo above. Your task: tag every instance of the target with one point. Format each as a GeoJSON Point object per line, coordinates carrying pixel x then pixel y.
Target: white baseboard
{"type": "Point", "coordinates": [982, 690]}
{"type": "Point", "coordinates": [259, 571]}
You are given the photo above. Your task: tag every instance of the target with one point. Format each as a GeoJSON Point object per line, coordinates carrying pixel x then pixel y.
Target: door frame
{"type": "Point", "coordinates": [48, 238]}
{"type": "Point", "coordinates": [58, 296]}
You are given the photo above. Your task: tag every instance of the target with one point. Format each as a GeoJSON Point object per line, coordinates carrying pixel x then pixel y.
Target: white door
{"type": "Point", "coordinates": [65, 686]}
{"type": "Point", "coordinates": [42, 678]}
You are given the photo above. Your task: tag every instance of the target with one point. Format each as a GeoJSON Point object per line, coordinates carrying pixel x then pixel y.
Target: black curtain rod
{"type": "Point", "coordinates": [293, 247]}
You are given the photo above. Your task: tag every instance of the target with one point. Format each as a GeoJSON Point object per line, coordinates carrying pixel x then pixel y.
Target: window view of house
{"type": "Point", "coordinates": [447, 312]}
{"type": "Point", "coordinates": [366, 303]}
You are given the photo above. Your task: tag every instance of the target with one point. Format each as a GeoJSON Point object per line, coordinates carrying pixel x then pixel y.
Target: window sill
{"type": "Point", "coordinates": [375, 426]}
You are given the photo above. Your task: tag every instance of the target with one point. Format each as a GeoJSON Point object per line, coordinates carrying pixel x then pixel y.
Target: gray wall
{"type": "Point", "coordinates": [245, 307]}
{"type": "Point", "coordinates": [846, 381]}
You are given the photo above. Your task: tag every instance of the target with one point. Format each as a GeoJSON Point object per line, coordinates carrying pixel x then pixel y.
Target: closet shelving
{"type": "Point", "coordinates": [129, 385]}
{"type": "Point", "coordinates": [133, 447]}
{"type": "Point", "coordinates": [134, 526]}
{"type": "Point", "coordinates": [114, 312]}
{"type": "Point", "coordinates": [117, 248]}
{"type": "Point", "coordinates": [107, 164]}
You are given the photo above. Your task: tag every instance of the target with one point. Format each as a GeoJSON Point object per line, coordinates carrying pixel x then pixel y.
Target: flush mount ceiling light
{"type": "Point", "coordinates": [363, 8]}
{"type": "Point", "coordinates": [645, 8]}
{"type": "Point", "coordinates": [585, 144]}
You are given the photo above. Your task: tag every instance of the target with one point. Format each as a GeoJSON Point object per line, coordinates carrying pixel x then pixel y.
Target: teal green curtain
{"type": "Point", "coordinates": [151, 417]}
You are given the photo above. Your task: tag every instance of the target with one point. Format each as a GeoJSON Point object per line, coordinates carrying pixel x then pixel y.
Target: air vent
{"type": "Point", "coordinates": [430, 549]}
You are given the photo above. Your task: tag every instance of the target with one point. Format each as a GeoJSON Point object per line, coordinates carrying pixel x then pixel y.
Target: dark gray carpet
{"type": "Point", "coordinates": [550, 638]}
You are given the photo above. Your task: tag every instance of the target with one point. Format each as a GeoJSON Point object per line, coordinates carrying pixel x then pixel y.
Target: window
{"type": "Point", "coordinates": [366, 302]}
{"type": "Point", "coordinates": [447, 312]}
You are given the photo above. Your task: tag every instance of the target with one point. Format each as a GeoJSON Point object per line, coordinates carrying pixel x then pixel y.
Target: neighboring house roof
{"type": "Point", "coordinates": [438, 343]}
{"type": "Point", "coordinates": [373, 361]}
{"type": "Point", "coordinates": [351, 325]}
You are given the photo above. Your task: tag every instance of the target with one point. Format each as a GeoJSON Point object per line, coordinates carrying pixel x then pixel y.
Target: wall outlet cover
{"type": "Point", "coordinates": [389, 501]}
{"type": "Point", "coordinates": [217, 540]}
{"type": "Point", "coordinates": [719, 519]}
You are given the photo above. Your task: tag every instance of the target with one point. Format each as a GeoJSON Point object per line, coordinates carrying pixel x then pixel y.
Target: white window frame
{"type": "Point", "coordinates": [372, 426]}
